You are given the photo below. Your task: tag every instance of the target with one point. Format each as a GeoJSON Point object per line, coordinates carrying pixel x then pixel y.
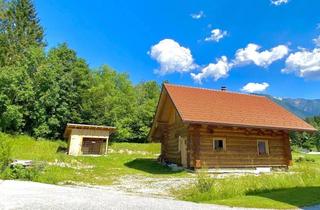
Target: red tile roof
{"type": "Point", "coordinates": [200, 105]}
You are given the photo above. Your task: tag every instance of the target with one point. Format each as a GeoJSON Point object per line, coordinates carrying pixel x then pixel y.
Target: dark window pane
{"type": "Point", "coordinates": [262, 148]}
{"type": "Point", "coordinates": [218, 144]}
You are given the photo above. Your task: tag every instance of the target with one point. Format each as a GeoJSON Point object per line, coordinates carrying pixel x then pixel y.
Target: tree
{"type": "Point", "coordinates": [19, 30]}
{"type": "Point", "coordinates": [147, 99]}
{"type": "Point", "coordinates": [59, 87]}
{"type": "Point", "coordinates": [21, 51]}
{"type": "Point", "coordinates": [315, 137]}
{"type": "Point", "coordinates": [307, 140]}
{"type": "Point", "coordinates": [41, 92]}
{"type": "Point", "coordinates": [16, 98]}
{"type": "Point", "coordinates": [111, 101]}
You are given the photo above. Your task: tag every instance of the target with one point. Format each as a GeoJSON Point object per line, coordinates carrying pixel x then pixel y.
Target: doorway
{"type": "Point", "coordinates": [183, 150]}
{"type": "Point", "coordinates": [92, 146]}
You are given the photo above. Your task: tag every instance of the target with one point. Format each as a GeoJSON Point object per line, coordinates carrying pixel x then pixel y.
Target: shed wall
{"type": "Point", "coordinates": [76, 138]}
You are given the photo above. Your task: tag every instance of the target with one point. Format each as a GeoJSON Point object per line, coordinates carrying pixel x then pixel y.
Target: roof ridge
{"type": "Point", "coordinates": [214, 90]}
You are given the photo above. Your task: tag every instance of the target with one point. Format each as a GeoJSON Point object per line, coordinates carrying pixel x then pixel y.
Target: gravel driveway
{"type": "Point", "coordinates": [32, 195]}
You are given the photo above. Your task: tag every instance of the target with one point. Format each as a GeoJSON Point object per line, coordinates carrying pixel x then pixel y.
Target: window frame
{"type": "Point", "coordinates": [266, 143]}
{"type": "Point", "coordinates": [224, 145]}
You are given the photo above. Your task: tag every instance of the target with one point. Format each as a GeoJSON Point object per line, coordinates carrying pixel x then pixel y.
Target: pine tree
{"type": "Point", "coordinates": [20, 31]}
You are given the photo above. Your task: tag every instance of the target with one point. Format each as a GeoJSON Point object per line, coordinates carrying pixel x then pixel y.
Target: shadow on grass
{"type": "Point", "coordinates": [150, 166]}
{"type": "Point", "coordinates": [299, 196]}
{"type": "Point", "coordinates": [62, 149]}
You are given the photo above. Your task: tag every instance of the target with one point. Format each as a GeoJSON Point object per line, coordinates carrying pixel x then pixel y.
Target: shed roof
{"type": "Point", "coordinates": [71, 126]}
{"type": "Point", "coordinates": [198, 105]}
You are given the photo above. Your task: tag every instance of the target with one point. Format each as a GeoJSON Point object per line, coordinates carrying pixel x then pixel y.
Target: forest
{"type": "Point", "coordinates": [43, 89]}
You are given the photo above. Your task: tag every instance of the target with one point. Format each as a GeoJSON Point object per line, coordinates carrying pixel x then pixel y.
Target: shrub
{"type": "Point", "coordinates": [304, 159]}
{"type": "Point", "coordinates": [204, 182]}
{"type": "Point", "coordinates": [23, 173]}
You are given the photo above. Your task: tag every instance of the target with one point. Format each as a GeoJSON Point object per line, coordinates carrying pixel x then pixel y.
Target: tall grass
{"type": "Point", "coordinates": [26, 147]}
{"type": "Point", "coordinates": [5, 151]}
{"type": "Point", "coordinates": [207, 188]}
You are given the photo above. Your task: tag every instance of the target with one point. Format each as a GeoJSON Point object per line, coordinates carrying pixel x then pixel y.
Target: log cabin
{"type": "Point", "coordinates": [200, 127]}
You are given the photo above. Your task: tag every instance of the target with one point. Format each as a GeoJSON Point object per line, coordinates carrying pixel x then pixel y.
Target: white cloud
{"type": "Point", "coordinates": [279, 2]}
{"type": "Point", "coordinates": [252, 87]}
{"type": "Point", "coordinates": [198, 15]}
{"type": "Point", "coordinates": [316, 41]}
{"type": "Point", "coordinates": [251, 54]}
{"type": "Point", "coordinates": [215, 70]}
{"type": "Point", "coordinates": [172, 57]}
{"type": "Point", "coordinates": [216, 35]}
{"type": "Point", "coordinates": [245, 56]}
{"type": "Point", "coordinates": [304, 64]}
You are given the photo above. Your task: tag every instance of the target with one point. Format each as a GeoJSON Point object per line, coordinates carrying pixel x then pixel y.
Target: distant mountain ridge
{"type": "Point", "coordinates": [299, 106]}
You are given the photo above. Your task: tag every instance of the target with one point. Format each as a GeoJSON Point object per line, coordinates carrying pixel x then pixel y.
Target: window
{"type": "Point", "coordinates": [219, 144]}
{"type": "Point", "coordinates": [263, 147]}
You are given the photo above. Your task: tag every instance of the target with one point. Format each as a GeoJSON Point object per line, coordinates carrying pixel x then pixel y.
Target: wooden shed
{"type": "Point", "coordinates": [87, 139]}
{"type": "Point", "coordinates": [220, 129]}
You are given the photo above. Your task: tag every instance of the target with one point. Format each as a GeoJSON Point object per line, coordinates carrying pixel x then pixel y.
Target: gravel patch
{"type": "Point", "coordinates": [150, 186]}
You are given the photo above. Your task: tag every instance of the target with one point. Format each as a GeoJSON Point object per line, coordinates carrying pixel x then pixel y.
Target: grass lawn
{"type": "Point", "coordinates": [284, 198]}
{"type": "Point", "coordinates": [287, 198]}
{"type": "Point", "coordinates": [298, 188]}
{"type": "Point", "coordinates": [124, 159]}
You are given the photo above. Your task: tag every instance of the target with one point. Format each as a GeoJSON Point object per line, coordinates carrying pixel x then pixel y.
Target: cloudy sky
{"type": "Point", "coordinates": [265, 46]}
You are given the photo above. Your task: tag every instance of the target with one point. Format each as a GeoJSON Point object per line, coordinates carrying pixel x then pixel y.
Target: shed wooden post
{"type": "Point", "coordinates": [107, 144]}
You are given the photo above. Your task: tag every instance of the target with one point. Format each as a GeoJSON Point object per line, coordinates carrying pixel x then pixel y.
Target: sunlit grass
{"type": "Point", "coordinates": [125, 159]}
{"type": "Point", "coordinates": [300, 186]}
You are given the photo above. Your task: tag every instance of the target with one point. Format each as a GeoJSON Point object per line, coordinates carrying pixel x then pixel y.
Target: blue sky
{"type": "Point", "coordinates": [160, 40]}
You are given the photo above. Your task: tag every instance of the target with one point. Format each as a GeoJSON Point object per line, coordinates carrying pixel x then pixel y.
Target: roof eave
{"type": "Point", "coordinates": [311, 130]}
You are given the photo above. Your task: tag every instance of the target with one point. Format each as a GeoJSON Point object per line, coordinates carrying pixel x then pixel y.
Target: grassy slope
{"type": "Point", "coordinates": [125, 159]}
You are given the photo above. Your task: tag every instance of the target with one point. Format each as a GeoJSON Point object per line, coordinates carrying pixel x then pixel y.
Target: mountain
{"type": "Point", "coordinates": [299, 106]}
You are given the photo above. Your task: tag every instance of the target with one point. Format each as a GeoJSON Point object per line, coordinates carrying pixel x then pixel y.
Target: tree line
{"type": "Point", "coordinates": [42, 90]}
{"type": "Point", "coordinates": [308, 140]}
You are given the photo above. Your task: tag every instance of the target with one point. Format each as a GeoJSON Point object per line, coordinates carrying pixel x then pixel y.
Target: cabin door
{"type": "Point", "coordinates": [183, 150]}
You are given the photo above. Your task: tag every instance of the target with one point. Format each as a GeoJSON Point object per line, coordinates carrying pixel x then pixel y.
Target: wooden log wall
{"type": "Point", "coordinates": [241, 147]}
{"type": "Point", "coordinates": [170, 141]}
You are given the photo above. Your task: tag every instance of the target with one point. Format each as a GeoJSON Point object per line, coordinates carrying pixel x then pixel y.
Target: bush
{"type": "Point", "coordinates": [204, 182]}
{"type": "Point", "coordinates": [4, 154]}
{"type": "Point", "coordinates": [23, 173]}
{"type": "Point", "coordinates": [304, 159]}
